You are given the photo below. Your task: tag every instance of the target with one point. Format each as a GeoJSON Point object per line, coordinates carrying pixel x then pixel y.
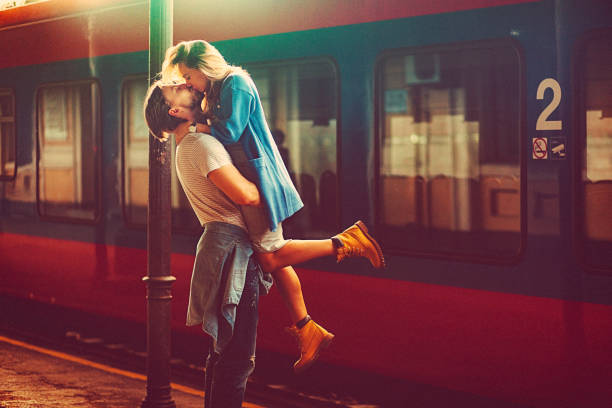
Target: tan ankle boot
{"type": "Point", "coordinates": [312, 338]}
{"type": "Point", "coordinates": [357, 242]}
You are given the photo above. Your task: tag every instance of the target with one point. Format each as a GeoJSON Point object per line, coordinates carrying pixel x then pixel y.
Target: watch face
{"type": "Point", "coordinates": [193, 128]}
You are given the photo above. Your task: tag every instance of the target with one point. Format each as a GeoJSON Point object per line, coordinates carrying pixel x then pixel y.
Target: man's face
{"type": "Point", "coordinates": [183, 101]}
{"type": "Point", "coordinates": [180, 96]}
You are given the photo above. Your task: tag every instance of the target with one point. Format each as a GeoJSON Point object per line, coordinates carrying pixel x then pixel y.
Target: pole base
{"type": "Point", "coordinates": [157, 403]}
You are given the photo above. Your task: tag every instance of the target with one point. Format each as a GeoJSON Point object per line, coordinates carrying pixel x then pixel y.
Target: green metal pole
{"type": "Point", "coordinates": [158, 280]}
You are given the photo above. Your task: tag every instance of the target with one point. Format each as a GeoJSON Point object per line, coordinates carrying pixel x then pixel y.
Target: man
{"type": "Point", "coordinates": [203, 164]}
{"type": "Point", "coordinates": [224, 272]}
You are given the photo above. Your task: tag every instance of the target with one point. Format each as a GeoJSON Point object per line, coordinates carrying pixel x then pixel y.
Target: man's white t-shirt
{"type": "Point", "coordinates": [197, 155]}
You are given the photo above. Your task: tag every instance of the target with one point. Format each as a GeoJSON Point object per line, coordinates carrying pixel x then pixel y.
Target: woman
{"type": "Point", "coordinates": [234, 116]}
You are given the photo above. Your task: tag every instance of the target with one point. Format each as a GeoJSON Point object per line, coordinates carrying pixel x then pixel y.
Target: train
{"type": "Point", "coordinates": [473, 137]}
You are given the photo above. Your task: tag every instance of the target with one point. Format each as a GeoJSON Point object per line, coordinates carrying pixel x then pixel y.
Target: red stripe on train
{"type": "Point", "coordinates": [39, 33]}
{"type": "Point", "coordinates": [532, 350]}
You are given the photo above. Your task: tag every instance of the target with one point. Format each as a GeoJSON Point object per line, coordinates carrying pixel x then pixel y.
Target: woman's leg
{"type": "Point", "coordinates": [311, 337]}
{"type": "Point", "coordinates": [279, 263]}
{"type": "Point", "coordinates": [290, 289]}
{"type": "Point", "coordinates": [294, 252]}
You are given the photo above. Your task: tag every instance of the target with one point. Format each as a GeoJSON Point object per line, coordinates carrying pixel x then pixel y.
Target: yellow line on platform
{"type": "Point", "coordinates": [129, 374]}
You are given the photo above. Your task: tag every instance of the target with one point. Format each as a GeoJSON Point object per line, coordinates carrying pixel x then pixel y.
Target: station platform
{"type": "Point", "coordinates": [33, 376]}
{"type": "Point", "coordinates": [52, 356]}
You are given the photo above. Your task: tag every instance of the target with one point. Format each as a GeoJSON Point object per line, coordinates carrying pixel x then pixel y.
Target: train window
{"type": "Point", "coordinates": [136, 164]}
{"type": "Point", "coordinates": [300, 103]}
{"type": "Point", "coordinates": [8, 147]}
{"type": "Point", "coordinates": [69, 150]}
{"type": "Point", "coordinates": [596, 117]}
{"type": "Point", "coordinates": [449, 163]}
{"type": "Point", "coordinates": [135, 151]}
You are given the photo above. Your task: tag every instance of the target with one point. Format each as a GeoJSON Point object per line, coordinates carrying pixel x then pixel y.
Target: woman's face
{"type": "Point", "coordinates": [193, 77]}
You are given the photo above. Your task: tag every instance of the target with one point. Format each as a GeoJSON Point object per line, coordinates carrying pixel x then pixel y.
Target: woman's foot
{"type": "Point", "coordinates": [312, 338]}
{"type": "Point", "coordinates": [355, 241]}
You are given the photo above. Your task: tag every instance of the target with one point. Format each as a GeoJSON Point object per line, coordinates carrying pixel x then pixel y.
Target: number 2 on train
{"type": "Point", "coordinates": [543, 123]}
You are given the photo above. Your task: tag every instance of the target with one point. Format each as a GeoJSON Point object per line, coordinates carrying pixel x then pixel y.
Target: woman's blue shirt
{"type": "Point", "coordinates": [240, 119]}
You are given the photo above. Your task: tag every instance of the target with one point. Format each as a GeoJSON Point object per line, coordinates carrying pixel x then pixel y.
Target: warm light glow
{"type": "Point", "coordinates": [8, 4]}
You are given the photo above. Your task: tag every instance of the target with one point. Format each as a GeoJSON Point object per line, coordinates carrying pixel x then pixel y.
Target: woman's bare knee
{"type": "Point", "coordinates": [267, 261]}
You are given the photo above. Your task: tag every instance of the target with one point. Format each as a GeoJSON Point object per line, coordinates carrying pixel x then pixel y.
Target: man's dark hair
{"type": "Point", "coordinates": [156, 113]}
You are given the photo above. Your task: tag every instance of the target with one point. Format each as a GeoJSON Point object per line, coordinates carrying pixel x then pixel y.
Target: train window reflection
{"type": "Point", "coordinates": [300, 103]}
{"type": "Point", "coordinates": [136, 164]}
{"type": "Point", "coordinates": [597, 168]}
{"type": "Point", "coordinates": [8, 147]}
{"type": "Point", "coordinates": [449, 175]}
{"type": "Point", "coordinates": [69, 150]}
{"type": "Point", "coordinates": [135, 152]}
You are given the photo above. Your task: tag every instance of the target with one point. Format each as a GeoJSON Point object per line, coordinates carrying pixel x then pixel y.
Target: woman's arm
{"type": "Point", "coordinates": [240, 190]}
{"type": "Point", "coordinates": [236, 104]}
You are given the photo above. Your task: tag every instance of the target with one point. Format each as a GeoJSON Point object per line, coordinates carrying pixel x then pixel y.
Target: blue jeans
{"type": "Point", "coordinates": [227, 373]}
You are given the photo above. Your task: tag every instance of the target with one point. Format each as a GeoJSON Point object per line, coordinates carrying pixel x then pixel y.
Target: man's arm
{"type": "Point", "coordinates": [240, 190]}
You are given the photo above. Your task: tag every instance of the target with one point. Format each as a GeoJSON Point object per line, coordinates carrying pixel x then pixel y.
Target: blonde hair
{"type": "Point", "coordinates": [200, 55]}
{"type": "Point", "coordinates": [203, 56]}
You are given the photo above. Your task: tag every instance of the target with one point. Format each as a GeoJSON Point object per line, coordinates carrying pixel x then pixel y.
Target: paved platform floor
{"type": "Point", "coordinates": [35, 377]}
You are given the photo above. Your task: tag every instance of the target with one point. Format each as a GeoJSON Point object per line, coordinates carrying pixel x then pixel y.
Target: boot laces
{"type": "Point", "coordinates": [353, 251]}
